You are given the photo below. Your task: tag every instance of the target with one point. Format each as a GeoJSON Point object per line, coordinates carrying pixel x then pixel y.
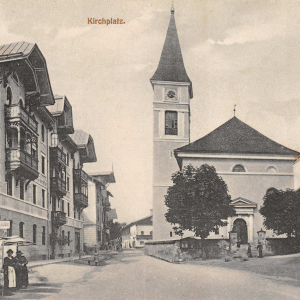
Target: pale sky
{"type": "Point", "coordinates": [235, 52]}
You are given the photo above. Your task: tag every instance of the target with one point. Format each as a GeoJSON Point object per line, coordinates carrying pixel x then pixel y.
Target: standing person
{"type": "Point", "coordinates": [260, 248]}
{"type": "Point", "coordinates": [9, 272]}
{"type": "Point", "coordinates": [249, 252]}
{"type": "Point", "coordinates": [22, 272]}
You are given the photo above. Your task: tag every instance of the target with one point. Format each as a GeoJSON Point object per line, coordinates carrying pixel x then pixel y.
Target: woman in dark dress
{"type": "Point", "coordinates": [22, 272]}
{"type": "Point", "coordinates": [9, 272]}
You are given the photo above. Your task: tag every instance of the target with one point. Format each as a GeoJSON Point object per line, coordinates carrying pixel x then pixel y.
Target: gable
{"type": "Point", "coordinates": [243, 202]}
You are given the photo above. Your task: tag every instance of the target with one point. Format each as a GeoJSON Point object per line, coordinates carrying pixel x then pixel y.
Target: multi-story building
{"type": "Point", "coordinates": [96, 217]}
{"type": "Point", "coordinates": [136, 234]}
{"type": "Point", "coordinates": [25, 122]}
{"type": "Point", "coordinates": [43, 188]}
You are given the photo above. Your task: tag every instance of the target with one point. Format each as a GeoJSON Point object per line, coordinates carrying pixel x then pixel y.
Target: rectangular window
{"type": "Point", "coordinates": [68, 184]}
{"type": "Point", "coordinates": [34, 193]}
{"type": "Point", "coordinates": [68, 209]}
{"type": "Point", "coordinates": [62, 205]}
{"type": "Point", "coordinates": [68, 159]}
{"type": "Point", "coordinates": [21, 229]}
{"type": "Point", "coordinates": [43, 165]}
{"type": "Point", "coordinates": [171, 123]}
{"type": "Point", "coordinates": [68, 238]}
{"type": "Point", "coordinates": [9, 186]}
{"type": "Point", "coordinates": [142, 232]}
{"type": "Point", "coordinates": [34, 234]}
{"type": "Point", "coordinates": [142, 243]}
{"type": "Point", "coordinates": [43, 133]}
{"type": "Point", "coordinates": [44, 235]}
{"type": "Point", "coordinates": [9, 231]}
{"type": "Point", "coordinates": [22, 189]}
{"type": "Point", "coordinates": [43, 198]}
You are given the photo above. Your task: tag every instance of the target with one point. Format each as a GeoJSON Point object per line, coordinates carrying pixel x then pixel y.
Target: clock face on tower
{"type": "Point", "coordinates": [171, 94]}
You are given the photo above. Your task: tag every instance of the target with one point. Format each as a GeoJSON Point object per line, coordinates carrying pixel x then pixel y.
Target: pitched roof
{"type": "Point", "coordinates": [58, 107]}
{"type": "Point", "coordinates": [30, 55]}
{"type": "Point", "coordinates": [171, 66]}
{"type": "Point", "coordinates": [80, 137]}
{"type": "Point", "coordinates": [15, 49]}
{"type": "Point", "coordinates": [144, 221]}
{"type": "Point", "coordinates": [112, 214]}
{"type": "Point", "coordinates": [85, 144]}
{"type": "Point", "coordinates": [237, 137]}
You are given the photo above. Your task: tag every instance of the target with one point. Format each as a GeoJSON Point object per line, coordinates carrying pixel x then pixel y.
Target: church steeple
{"type": "Point", "coordinates": [171, 65]}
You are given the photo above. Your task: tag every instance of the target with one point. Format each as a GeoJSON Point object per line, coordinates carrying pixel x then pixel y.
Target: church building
{"type": "Point", "coordinates": [249, 162]}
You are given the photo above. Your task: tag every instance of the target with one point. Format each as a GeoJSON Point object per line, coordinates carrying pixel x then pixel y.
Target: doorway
{"type": "Point", "coordinates": [240, 226]}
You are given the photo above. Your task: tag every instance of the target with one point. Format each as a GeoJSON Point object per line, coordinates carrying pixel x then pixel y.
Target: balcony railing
{"type": "Point", "coordinates": [81, 200]}
{"type": "Point", "coordinates": [171, 131]}
{"type": "Point", "coordinates": [15, 113]}
{"type": "Point", "coordinates": [58, 185]}
{"type": "Point", "coordinates": [80, 175]}
{"type": "Point", "coordinates": [57, 155]}
{"type": "Point", "coordinates": [20, 159]}
{"type": "Point", "coordinates": [58, 218]}
{"type": "Point", "coordinates": [144, 237]}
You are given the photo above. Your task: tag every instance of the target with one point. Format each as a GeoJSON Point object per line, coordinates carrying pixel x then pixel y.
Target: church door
{"type": "Point", "coordinates": [240, 227]}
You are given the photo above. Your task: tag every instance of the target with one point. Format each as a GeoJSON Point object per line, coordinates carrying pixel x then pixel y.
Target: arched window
{"type": "Point", "coordinates": [43, 235]}
{"type": "Point", "coordinates": [21, 104]}
{"type": "Point", "coordinates": [271, 169]}
{"type": "Point", "coordinates": [171, 123]}
{"type": "Point", "coordinates": [238, 168]}
{"type": "Point", "coordinates": [8, 96]}
{"type": "Point", "coordinates": [34, 234]}
{"type": "Point", "coordinates": [43, 133]}
{"type": "Point", "coordinates": [21, 229]}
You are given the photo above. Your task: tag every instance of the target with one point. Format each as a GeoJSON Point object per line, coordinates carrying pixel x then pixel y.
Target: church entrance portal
{"type": "Point", "coordinates": [240, 226]}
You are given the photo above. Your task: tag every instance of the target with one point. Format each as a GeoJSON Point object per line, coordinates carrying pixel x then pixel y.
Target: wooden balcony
{"type": "Point", "coordinates": [58, 186]}
{"type": "Point", "coordinates": [58, 218]}
{"type": "Point", "coordinates": [57, 156]}
{"type": "Point", "coordinates": [79, 175]}
{"type": "Point", "coordinates": [22, 162]}
{"type": "Point", "coordinates": [81, 200]}
{"type": "Point", "coordinates": [144, 237]}
{"type": "Point", "coordinates": [19, 114]}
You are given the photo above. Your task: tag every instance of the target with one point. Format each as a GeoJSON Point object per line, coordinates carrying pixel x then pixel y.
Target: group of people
{"type": "Point", "coordinates": [15, 271]}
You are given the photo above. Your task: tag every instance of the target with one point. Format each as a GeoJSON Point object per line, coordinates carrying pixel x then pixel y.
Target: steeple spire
{"type": "Point", "coordinates": [171, 65]}
{"type": "Point", "coordinates": [172, 8]}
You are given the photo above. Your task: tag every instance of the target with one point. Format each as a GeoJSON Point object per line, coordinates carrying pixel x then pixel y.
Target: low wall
{"type": "Point", "coordinates": [185, 249]}
{"type": "Point", "coordinates": [279, 246]}
{"type": "Point", "coordinates": [166, 250]}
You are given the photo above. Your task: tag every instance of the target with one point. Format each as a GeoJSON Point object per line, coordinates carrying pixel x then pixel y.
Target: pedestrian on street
{"type": "Point", "coordinates": [9, 272]}
{"type": "Point", "coordinates": [249, 252]}
{"type": "Point", "coordinates": [260, 248]}
{"type": "Point", "coordinates": [21, 270]}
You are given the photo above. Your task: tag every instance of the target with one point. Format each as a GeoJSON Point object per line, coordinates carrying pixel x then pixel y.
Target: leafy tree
{"type": "Point", "coordinates": [115, 230]}
{"type": "Point", "coordinates": [281, 210]}
{"type": "Point", "coordinates": [198, 201]}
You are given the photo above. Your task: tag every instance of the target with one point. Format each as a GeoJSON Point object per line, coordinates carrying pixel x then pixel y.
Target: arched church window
{"type": "Point", "coordinates": [8, 96]}
{"type": "Point", "coordinates": [171, 123]}
{"type": "Point", "coordinates": [238, 168]}
{"type": "Point", "coordinates": [271, 169]}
